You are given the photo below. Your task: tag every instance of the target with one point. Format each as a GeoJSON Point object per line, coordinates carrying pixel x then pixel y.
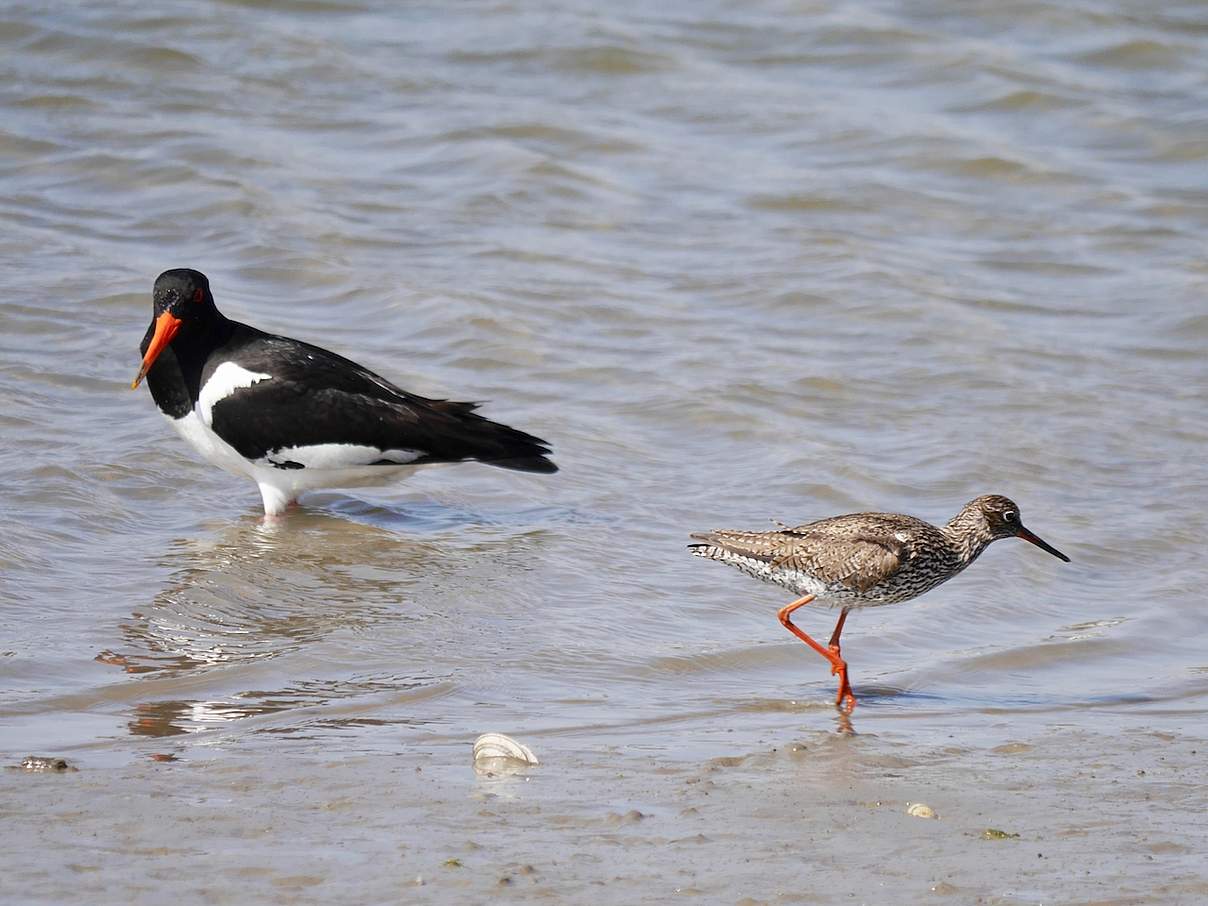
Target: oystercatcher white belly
{"type": "Point", "coordinates": [319, 466]}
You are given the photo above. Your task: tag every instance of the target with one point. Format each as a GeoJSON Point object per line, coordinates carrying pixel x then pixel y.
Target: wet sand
{"type": "Point", "coordinates": [1104, 817]}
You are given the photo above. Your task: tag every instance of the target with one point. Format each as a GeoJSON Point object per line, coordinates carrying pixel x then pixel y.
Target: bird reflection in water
{"type": "Point", "coordinates": [176, 718]}
{"type": "Point", "coordinates": [263, 607]}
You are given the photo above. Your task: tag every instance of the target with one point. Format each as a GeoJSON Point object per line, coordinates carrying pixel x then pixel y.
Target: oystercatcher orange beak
{"type": "Point", "coordinates": [166, 326]}
{"type": "Point", "coordinates": [1041, 543]}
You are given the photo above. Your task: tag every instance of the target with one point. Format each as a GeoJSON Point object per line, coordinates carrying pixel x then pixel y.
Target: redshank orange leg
{"type": "Point", "coordinates": [840, 665]}
{"type": "Point", "coordinates": [832, 652]}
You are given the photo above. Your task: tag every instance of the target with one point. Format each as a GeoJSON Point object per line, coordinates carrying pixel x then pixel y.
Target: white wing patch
{"type": "Point", "coordinates": [226, 379]}
{"type": "Point", "coordinates": [339, 456]}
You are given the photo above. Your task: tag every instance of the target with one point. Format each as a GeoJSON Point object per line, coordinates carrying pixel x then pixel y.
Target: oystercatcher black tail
{"type": "Point", "coordinates": [294, 417]}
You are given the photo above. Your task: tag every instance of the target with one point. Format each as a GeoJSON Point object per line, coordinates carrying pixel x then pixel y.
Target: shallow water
{"type": "Point", "coordinates": [779, 261]}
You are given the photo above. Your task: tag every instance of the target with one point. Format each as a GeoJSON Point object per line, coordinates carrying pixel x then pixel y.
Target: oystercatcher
{"type": "Point", "coordinates": [865, 560]}
{"type": "Point", "coordinates": [294, 417]}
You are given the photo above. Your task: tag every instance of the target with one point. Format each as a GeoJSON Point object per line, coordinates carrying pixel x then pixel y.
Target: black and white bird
{"type": "Point", "coordinates": [294, 417]}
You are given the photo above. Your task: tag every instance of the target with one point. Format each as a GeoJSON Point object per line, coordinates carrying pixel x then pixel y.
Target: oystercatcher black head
{"type": "Point", "coordinates": [295, 417]}
{"type": "Point", "coordinates": [181, 300]}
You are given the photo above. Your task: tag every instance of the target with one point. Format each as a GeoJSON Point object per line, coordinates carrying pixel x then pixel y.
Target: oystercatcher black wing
{"type": "Point", "coordinates": [297, 405]}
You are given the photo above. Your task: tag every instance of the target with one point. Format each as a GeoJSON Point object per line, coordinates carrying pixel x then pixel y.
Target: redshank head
{"type": "Point", "coordinates": [1002, 517]}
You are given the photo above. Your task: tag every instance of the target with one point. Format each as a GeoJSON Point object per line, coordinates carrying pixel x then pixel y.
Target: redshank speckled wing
{"type": "Point", "coordinates": [865, 560]}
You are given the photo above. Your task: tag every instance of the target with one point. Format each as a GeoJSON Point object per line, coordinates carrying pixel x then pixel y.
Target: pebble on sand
{"type": "Point", "coordinates": [993, 833]}
{"type": "Point", "coordinates": [45, 764]}
{"type": "Point", "coordinates": [920, 810]}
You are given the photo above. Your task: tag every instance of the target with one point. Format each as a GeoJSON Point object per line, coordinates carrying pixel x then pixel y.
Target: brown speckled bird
{"type": "Point", "coordinates": [865, 560]}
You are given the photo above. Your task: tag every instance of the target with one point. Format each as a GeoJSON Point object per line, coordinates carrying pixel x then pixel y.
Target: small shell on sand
{"type": "Point", "coordinates": [920, 810]}
{"type": "Point", "coordinates": [495, 753]}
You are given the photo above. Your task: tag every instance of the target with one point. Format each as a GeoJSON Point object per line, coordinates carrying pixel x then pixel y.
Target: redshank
{"type": "Point", "coordinates": [865, 560]}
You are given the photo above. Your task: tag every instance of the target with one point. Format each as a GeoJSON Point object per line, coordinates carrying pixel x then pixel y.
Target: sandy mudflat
{"type": "Point", "coordinates": [819, 817]}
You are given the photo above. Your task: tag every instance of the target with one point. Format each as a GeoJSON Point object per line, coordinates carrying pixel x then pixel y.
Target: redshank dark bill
{"type": "Point", "coordinates": [865, 560]}
{"type": "Point", "coordinates": [294, 417]}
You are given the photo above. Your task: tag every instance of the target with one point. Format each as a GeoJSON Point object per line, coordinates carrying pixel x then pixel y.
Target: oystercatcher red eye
{"type": "Point", "coordinates": [198, 295]}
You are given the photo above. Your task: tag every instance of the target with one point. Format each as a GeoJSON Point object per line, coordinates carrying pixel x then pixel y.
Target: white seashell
{"type": "Point", "coordinates": [920, 810]}
{"type": "Point", "coordinates": [495, 753]}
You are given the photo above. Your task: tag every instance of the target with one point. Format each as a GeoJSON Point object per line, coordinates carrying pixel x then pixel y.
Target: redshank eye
{"type": "Point", "coordinates": [1008, 516]}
